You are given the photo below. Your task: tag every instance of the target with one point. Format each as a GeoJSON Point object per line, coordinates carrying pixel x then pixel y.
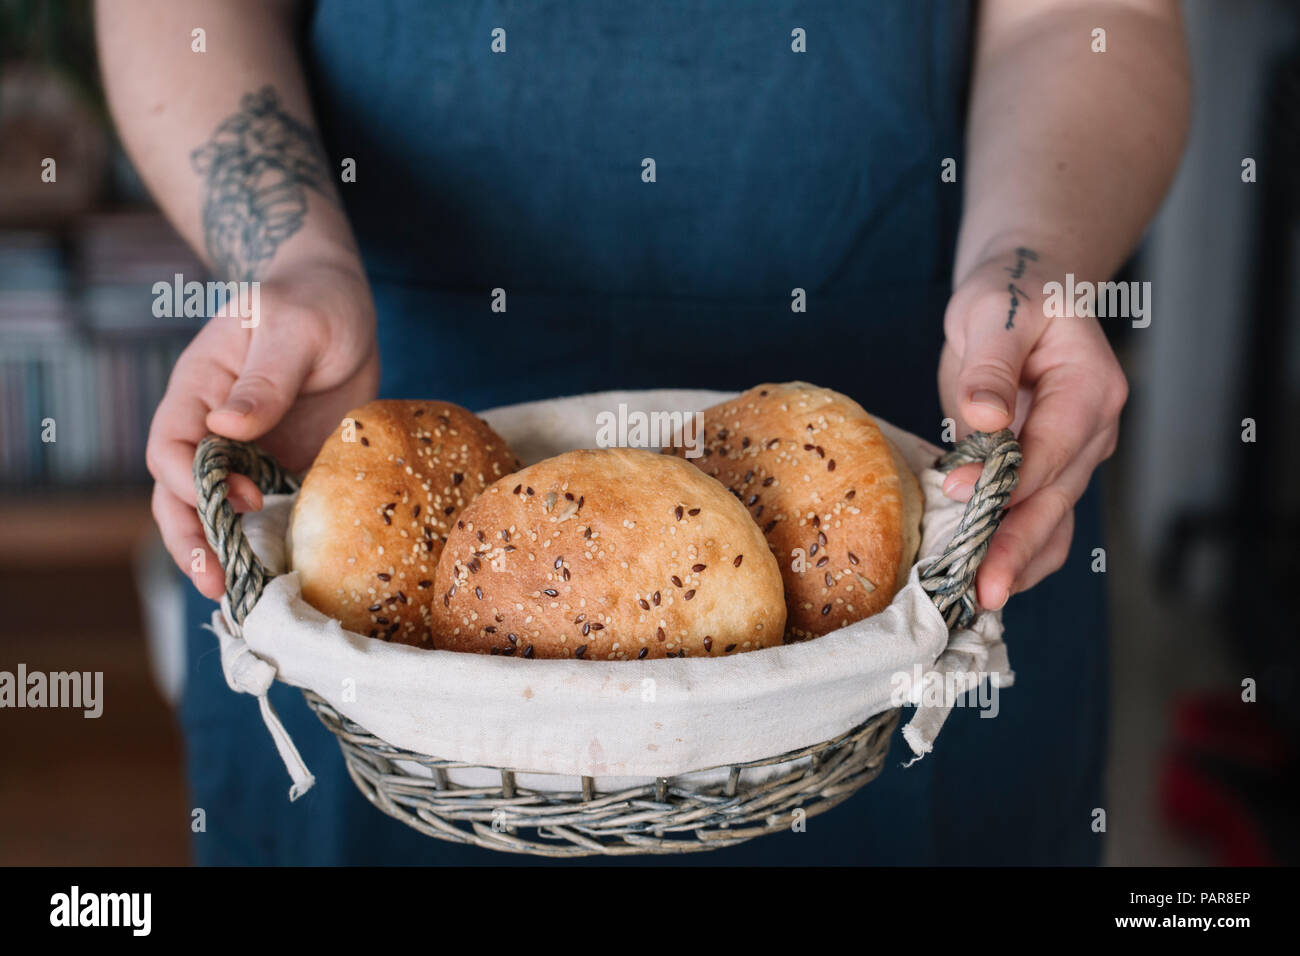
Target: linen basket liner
{"type": "Point", "coordinates": [623, 722]}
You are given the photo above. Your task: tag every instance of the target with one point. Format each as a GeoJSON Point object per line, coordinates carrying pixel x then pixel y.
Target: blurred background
{"type": "Point", "coordinates": [1203, 527]}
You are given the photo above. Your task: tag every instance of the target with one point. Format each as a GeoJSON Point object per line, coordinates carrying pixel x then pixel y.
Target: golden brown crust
{"type": "Point", "coordinates": [376, 506]}
{"type": "Point", "coordinates": [610, 554]}
{"type": "Point", "coordinates": [838, 505]}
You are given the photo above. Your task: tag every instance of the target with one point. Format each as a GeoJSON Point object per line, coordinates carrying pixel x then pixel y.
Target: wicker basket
{"type": "Point", "coordinates": [703, 810]}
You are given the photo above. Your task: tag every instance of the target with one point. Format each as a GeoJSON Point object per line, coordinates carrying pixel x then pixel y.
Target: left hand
{"type": "Point", "coordinates": [1056, 383]}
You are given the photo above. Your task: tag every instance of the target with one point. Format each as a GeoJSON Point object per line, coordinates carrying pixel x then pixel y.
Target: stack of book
{"type": "Point", "coordinates": [83, 359]}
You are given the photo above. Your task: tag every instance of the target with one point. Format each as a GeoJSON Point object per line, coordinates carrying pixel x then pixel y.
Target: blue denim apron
{"type": "Point", "coordinates": [774, 170]}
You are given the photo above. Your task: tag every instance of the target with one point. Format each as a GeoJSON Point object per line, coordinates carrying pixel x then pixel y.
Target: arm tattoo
{"type": "Point", "coordinates": [1022, 254]}
{"type": "Point", "coordinates": [258, 165]}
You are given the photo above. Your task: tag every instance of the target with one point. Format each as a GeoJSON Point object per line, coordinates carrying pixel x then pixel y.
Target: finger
{"type": "Point", "coordinates": [1027, 527]}
{"type": "Point", "coordinates": [277, 364]}
{"type": "Point", "coordinates": [1050, 559]}
{"type": "Point", "coordinates": [960, 483]}
{"type": "Point", "coordinates": [1066, 417]}
{"type": "Point", "coordinates": [992, 358]}
{"type": "Point", "coordinates": [174, 433]}
{"type": "Point", "coordinates": [173, 467]}
{"type": "Point", "coordinates": [243, 494]}
{"type": "Point", "coordinates": [182, 535]}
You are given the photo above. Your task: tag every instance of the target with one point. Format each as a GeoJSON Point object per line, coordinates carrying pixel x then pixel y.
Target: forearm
{"type": "Point", "coordinates": [1071, 151]}
{"type": "Point", "coordinates": [225, 138]}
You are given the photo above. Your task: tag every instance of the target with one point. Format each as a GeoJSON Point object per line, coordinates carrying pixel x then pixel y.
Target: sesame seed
{"type": "Point", "coordinates": [642, 653]}
{"type": "Point", "coordinates": [384, 577]}
{"type": "Point", "coordinates": [580, 651]}
{"type": "Point", "coordinates": [689, 594]}
{"type": "Point", "coordinates": [697, 568]}
{"type": "Point", "coordinates": [739, 558]}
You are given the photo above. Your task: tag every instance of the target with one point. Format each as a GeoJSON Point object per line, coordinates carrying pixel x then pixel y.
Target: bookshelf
{"type": "Point", "coordinates": [83, 359]}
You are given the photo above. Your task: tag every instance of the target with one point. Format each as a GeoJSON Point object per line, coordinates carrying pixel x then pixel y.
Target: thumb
{"type": "Point", "coordinates": [268, 385]}
{"type": "Point", "coordinates": [988, 379]}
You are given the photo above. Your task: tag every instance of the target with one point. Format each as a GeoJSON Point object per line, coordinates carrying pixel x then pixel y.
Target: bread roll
{"type": "Point", "coordinates": [611, 554]}
{"type": "Point", "coordinates": [839, 506]}
{"type": "Point", "coordinates": [375, 509]}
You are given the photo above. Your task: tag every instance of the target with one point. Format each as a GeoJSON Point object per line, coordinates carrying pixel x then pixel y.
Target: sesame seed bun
{"type": "Point", "coordinates": [816, 474]}
{"type": "Point", "coordinates": [375, 508]}
{"type": "Point", "coordinates": [613, 554]}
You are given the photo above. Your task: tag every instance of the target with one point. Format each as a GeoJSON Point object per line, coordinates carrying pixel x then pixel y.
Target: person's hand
{"type": "Point", "coordinates": [1056, 383]}
{"type": "Point", "coordinates": [285, 383]}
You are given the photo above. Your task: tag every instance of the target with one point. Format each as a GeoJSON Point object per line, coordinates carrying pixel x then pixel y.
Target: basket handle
{"type": "Point", "coordinates": [950, 578]}
{"type": "Point", "coordinates": [214, 460]}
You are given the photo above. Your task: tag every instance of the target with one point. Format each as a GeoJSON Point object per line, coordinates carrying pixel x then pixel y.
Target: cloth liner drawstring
{"type": "Point", "coordinates": [246, 673]}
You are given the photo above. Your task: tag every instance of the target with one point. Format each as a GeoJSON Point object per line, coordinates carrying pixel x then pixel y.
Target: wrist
{"type": "Point", "coordinates": [1049, 254]}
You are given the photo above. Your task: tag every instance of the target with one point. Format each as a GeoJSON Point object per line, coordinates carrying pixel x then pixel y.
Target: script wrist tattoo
{"type": "Point", "coordinates": [1023, 256]}
{"type": "Point", "coordinates": [257, 168]}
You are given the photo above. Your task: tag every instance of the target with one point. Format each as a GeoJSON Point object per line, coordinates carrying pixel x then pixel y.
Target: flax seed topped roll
{"type": "Point", "coordinates": [375, 508]}
{"type": "Point", "coordinates": [837, 503]}
{"type": "Point", "coordinates": [613, 554]}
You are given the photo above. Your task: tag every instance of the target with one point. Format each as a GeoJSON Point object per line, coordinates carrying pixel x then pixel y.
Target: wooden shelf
{"type": "Point", "coordinates": [73, 530]}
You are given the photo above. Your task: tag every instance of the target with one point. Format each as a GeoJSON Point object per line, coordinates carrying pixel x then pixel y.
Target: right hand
{"type": "Point", "coordinates": [286, 383]}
